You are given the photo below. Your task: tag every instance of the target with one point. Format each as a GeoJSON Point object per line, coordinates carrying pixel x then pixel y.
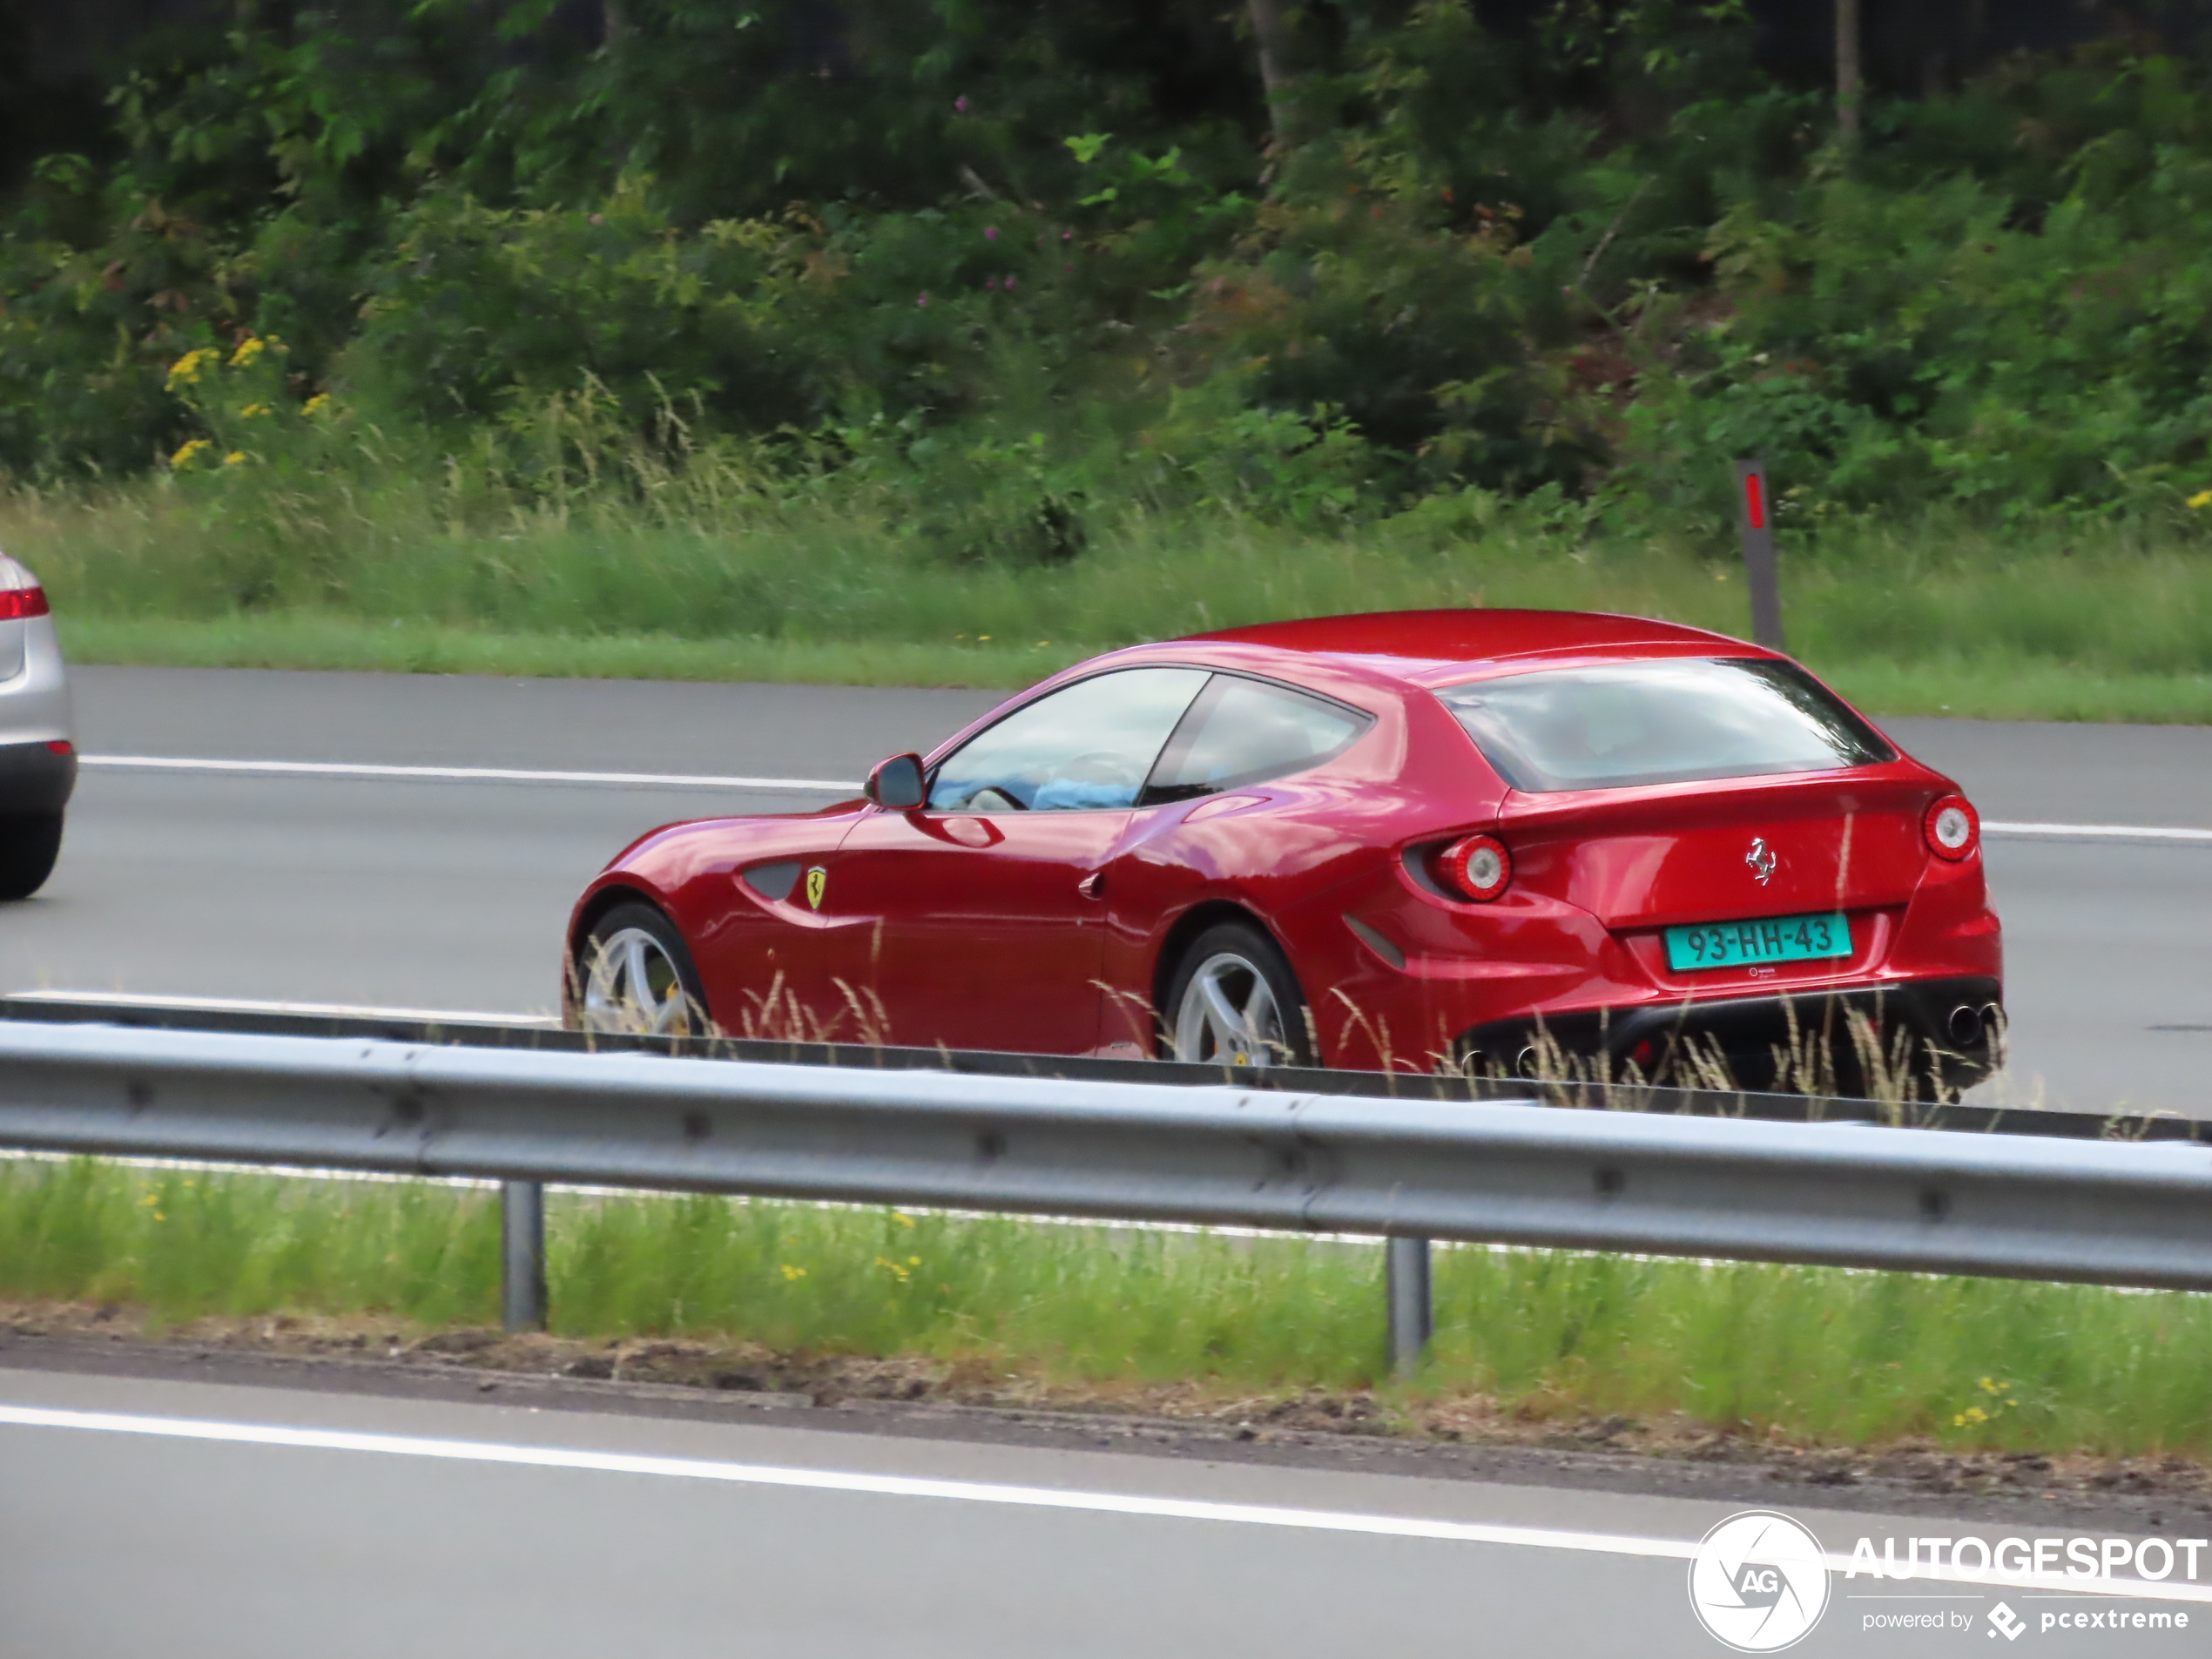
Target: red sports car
{"type": "Point", "coordinates": [1498, 839]}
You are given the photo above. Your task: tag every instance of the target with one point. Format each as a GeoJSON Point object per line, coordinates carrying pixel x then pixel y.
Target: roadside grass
{"type": "Point", "coordinates": [1815, 1356]}
{"type": "Point", "coordinates": [2051, 621]}
{"type": "Point", "coordinates": [322, 640]}
{"type": "Point", "coordinates": [1964, 687]}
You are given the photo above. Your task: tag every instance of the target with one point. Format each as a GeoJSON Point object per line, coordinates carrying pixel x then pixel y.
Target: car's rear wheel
{"type": "Point", "coordinates": [1234, 1002]}
{"type": "Point", "coordinates": [30, 842]}
{"type": "Point", "coordinates": [635, 975]}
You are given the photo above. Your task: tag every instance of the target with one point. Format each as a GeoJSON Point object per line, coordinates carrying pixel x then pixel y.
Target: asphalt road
{"type": "Point", "coordinates": [452, 894]}
{"type": "Point", "coordinates": [447, 895]}
{"type": "Point", "coordinates": [190, 1519]}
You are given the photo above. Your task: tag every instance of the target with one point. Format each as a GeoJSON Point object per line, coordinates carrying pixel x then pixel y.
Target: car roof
{"type": "Point", "coordinates": [1431, 648]}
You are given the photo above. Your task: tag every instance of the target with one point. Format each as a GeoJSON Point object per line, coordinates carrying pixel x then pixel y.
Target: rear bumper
{"type": "Point", "coordinates": [1951, 1028]}
{"type": "Point", "coordinates": [34, 695]}
{"type": "Point", "coordinates": [35, 780]}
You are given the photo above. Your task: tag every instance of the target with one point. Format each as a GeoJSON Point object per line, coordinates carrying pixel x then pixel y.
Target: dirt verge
{"type": "Point", "coordinates": [1465, 1435]}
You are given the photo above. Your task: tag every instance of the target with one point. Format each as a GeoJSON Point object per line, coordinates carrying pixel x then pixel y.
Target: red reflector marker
{"type": "Point", "coordinates": [1953, 827]}
{"type": "Point", "coordinates": [16, 604]}
{"type": "Point", "coordinates": [60, 746]}
{"type": "Point", "coordinates": [1477, 868]}
{"type": "Point", "coordinates": [1754, 500]}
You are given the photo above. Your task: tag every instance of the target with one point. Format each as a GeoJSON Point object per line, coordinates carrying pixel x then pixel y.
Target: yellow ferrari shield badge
{"type": "Point", "coordinates": [817, 881]}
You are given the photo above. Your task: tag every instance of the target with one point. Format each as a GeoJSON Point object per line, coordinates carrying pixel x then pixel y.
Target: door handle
{"type": "Point", "coordinates": [1092, 885]}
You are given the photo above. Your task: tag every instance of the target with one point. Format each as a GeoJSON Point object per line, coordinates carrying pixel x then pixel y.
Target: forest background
{"type": "Point", "coordinates": [947, 340]}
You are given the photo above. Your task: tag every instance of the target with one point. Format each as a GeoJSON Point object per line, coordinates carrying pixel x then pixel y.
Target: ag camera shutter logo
{"type": "Point", "coordinates": [1759, 1581]}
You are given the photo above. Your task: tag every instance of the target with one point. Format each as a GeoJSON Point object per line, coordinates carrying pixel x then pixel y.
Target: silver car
{"type": "Point", "coordinates": [37, 759]}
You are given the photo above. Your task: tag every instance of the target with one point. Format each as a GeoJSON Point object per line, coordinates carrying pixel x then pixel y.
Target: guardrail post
{"type": "Point", "coordinates": [522, 1255]}
{"type": "Point", "coordinates": [1413, 1313]}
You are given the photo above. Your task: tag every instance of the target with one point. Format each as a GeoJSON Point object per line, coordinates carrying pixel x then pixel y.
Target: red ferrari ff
{"type": "Point", "coordinates": [1498, 839]}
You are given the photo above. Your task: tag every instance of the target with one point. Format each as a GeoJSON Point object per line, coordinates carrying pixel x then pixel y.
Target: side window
{"type": "Point", "coordinates": [1240, 732]}
{"type": "Point", "coordinates": [1088, 745]}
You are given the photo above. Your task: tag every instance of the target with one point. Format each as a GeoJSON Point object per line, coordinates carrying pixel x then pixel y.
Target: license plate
{"type": "Point", "coordinates": [1777, 938]}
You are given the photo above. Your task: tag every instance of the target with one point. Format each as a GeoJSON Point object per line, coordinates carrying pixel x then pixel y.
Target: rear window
{"type": "Point", "coordinates": [1677, 720]}
{"type": "Point", "coordinates": [1243, 732]}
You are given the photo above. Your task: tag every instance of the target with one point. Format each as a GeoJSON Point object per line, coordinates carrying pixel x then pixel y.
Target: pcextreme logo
{"type": "Point", "coordinates": [1759, 1581]}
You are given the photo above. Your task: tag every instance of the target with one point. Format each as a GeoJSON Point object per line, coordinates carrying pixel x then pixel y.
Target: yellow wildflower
{"type": "Point", "coordinates": [316, 404]}
{"type": "Point", "coordinates": [2202, 498]}
{"type": "Point", "coordinates": [252, 411]}
{"type": "Point", "coordinates": [185, 370]}
{"type": "Point", "coordinates": [236, 458]}
{"type": "Point", "coordinates": [248, 348]}
{"type": "Point", "coordinates": [190, 452]}
{"type": "Point", "coordinates": [792, 1274]}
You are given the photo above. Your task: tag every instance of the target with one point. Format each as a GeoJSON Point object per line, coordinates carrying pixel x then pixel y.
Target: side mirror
{"type": "Point", "coordinates": [896, 783]}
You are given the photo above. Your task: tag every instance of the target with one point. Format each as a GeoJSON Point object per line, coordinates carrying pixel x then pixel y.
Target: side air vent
{"type": "Point", "coordinates": [772, 882]}
{"type": "Point", "coordinates": [1376, 942]}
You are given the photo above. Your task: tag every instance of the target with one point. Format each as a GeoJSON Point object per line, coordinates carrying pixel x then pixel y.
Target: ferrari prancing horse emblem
{"type": "Point", "coordinates": [1760, 858]}
{"type": "Point", "coordinates": [818, 880]}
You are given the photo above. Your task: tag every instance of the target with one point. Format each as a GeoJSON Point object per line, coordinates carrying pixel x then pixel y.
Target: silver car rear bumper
{"type": "Point", "coordinates": [36, 776]}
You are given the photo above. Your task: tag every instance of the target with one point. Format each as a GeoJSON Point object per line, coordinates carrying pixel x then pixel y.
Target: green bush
{"type": "Point", "coordinates": [1885, 348]}
{"type": "Point", "coordinates": [1000, 266]}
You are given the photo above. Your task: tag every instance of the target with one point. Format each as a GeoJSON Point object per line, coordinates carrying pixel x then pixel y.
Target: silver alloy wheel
{"type": "Point", "coordinates": [1229, 1015]}
{"type": "Point", "coordinates": [634, 986]}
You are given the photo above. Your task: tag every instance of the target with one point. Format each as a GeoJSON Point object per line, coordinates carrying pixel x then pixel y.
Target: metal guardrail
{"type": "Point", "coordinates": [1846, 1193]}
{"type": "Point", "coordinates": [1789, 1107]}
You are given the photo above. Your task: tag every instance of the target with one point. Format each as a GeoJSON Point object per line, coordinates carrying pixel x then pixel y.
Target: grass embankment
{"type": "Point", "coordinates": [2111, 623]}
{"type": "Point", "coordinates": [1810, 1355]}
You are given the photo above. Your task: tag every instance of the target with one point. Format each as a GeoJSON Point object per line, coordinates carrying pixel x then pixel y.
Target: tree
{"type": "Point", "coordinates": [1847, 78]}
{"type": "Point", "coordinates": [1270, 22]}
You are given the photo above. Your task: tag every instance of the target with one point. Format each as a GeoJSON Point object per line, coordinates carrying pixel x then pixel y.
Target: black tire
{"type": "Point", "coordinates": [1242, 956]}
{"type": "Point", "coordinates": [30, 842]}
{"type": "Point", "coordinates": [601, 986]}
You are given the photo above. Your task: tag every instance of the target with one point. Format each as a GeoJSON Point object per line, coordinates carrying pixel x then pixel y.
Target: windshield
{"type": "Point", "coordinates": [1662, 722]}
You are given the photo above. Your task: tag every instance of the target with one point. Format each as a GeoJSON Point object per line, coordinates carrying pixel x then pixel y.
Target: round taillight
{"type": "Point", "coordinates": [1952, 827]}
{"type": "Point", "coordinates": [1477, 867]}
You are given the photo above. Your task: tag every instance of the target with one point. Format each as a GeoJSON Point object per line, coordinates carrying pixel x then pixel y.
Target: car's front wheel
{"type": "Point", "coordinates": [1234, 1002]}
{"type": "Point", "coordinates": [30, 842]}
{"type": "Point", "coordinates": [635, 975]}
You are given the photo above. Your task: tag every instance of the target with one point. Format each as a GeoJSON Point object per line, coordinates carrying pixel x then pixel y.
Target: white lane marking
{"type": "Point", "coordinates": [840, 1481]}
{"type": "Point", "coordinates": [898, 1486]}
{"type": "Point", "coordinates": [455, 774]}
{"type": "Point", "coordinates": [818, 786]}
{"type": "Point", "coordinates": [2099, 831]}
{"type": "Point", "coordinates": [247, 1005]}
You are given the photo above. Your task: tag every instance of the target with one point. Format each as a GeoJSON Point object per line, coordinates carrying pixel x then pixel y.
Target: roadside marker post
{"type": "Point", "coordinates": [1755, 506]}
